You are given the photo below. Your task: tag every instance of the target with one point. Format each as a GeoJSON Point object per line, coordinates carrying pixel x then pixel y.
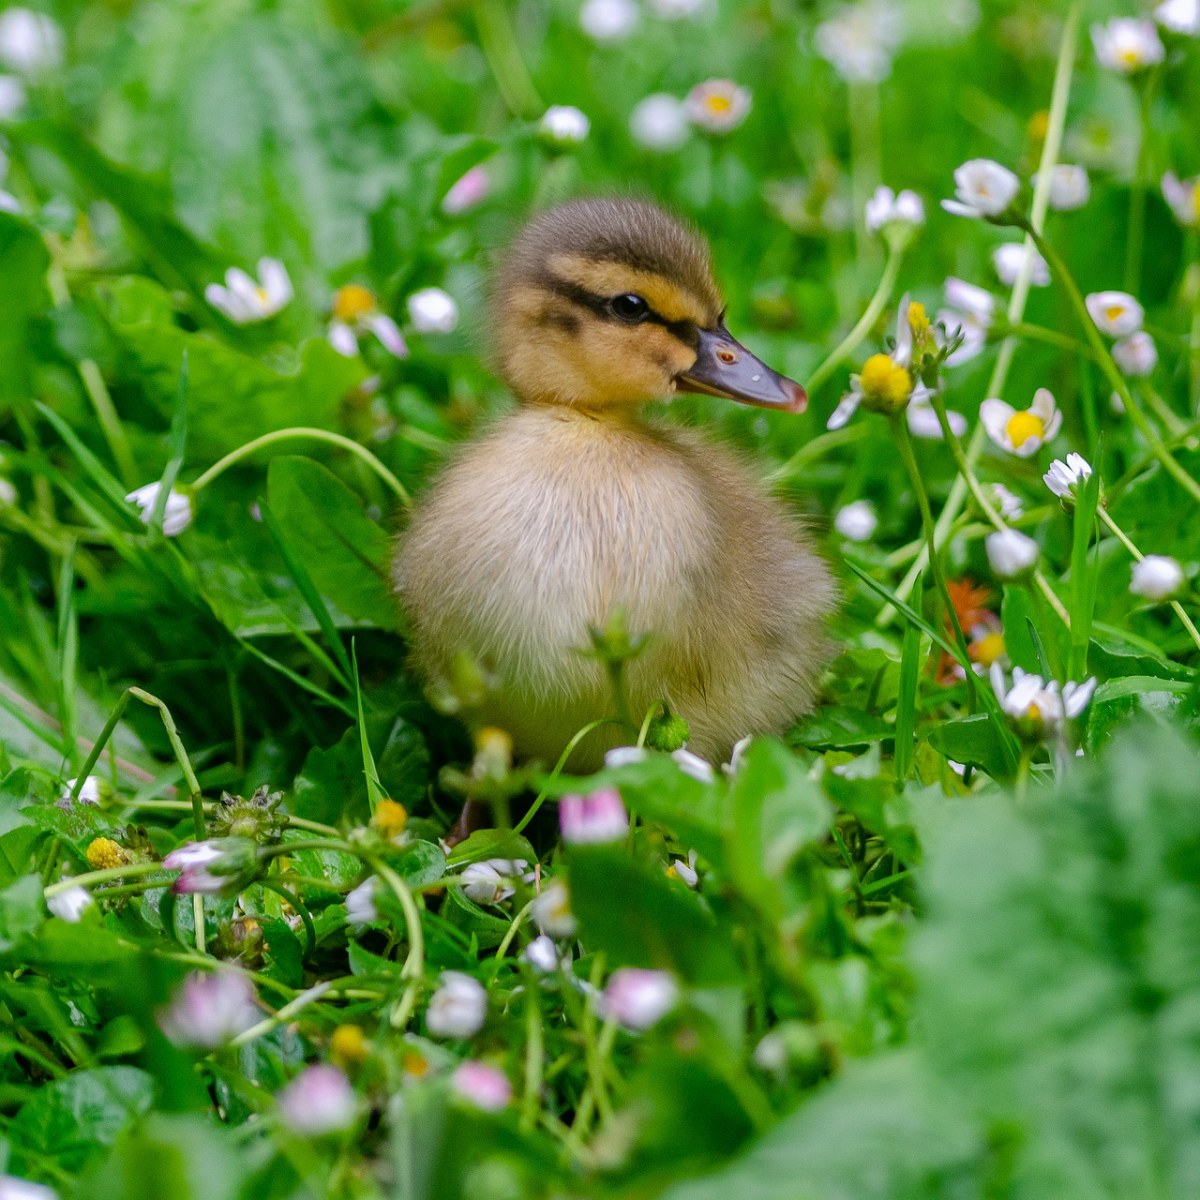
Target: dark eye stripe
{"type": "Point", "coordinates": [600, 306]}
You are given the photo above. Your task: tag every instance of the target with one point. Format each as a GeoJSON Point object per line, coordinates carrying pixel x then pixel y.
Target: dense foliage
{"type": "Point", "coordinates": [937, 942]}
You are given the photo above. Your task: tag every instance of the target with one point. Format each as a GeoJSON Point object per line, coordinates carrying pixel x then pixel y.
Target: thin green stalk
{"type": "Point", "coordinates": [209, 805]}
{"type": "Point", "coordinates": [93, 382]}
{"type": "Point", "coordinates": [883, 293]}
{"type": "Point", "coordinates": [1059, 95]}
{"type": "Point", "coordinates": [281, 1016]}
{"type": "Point", "coordinates": [1110, 370]}
{"type": "Point", "coordinates": [1137, 191]}
{"type": "Point", "coordinates": [1137, 556]}
{"type": "Point", "coordinates": [967, 473]}
{"type": "Point", "coordinates": [303, 431]}
{"type": "Point", "coordinates": [904, 444]}
{"type": "Point", "coordinates": [91, 878]}
{"type": "Point", "coordinates": [498, 40]}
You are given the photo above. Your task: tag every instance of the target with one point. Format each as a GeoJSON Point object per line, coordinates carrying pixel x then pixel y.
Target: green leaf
{"type": "Point", "coordinates": [346, 553]}
{"type": "Point", "coordinates": [632, 912]}
{"type": "Point", "coordinates": [23, 262]}
{"type": "Point", "coordinates": [20, 911]}
{"type": "Point", "coordinates": [73, 1119]}
{"type": "Point", "coordinates": [973, 741]}
{"type": "Point", "coordinates": [836, 727]}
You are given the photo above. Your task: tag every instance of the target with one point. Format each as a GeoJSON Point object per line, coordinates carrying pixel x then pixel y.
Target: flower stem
{"type": "Point", "coordinates": [88, 878]}
{"type": "Point", "coordinates": [904, 443]}
{"type": "Point", "coordinates": [1059, 94]}
{"type": "Point", "coordinates": [1137, 556]}
{"type": "Point", "coordinates": [967, 472]}
{"type": "Point", "coordinates": [303, 431]}
{"type": "Point", "coordinates": [1110, 370]}
{"type": "Point", "coordinates": [883, 293]}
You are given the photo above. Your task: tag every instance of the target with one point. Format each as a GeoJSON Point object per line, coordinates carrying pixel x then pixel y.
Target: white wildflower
{"type": "Point", "coordinates": [361, 908]}
{"type": "Point", "coordinates": [1179, 16]}
{"type": "Point", "coordinates": [923, 420]}
{"type": "Point", "coordinates": [1156, 577]}
{"type": "Point", "coordinates": [660, 122]}
{"type": "Point", "coordinates": [467, 192]}
{"type": "Point", "coordinates": [1127, 45]}
{"type": "Point", "coordinates": [608, 20]}
{"type": "Point", "coordinates": [1183, 195]}
{"type": "Point", "coordinates": [1064, 478]}
{"type": "Point", "coordinates": [860, 40]}
{"type": "Point", "coordinates": [319, 1100]}
{"type": "Point", "coordinates": [564, 125]}
{"type": "Point", "coordinates": [485, 1087]}
{"type": "Point", "coordinates": [718, 105]}
{"type": "Point", "coordinates": [177, 515]}
{"type": "Point", "coordinates": [1010, 553]}
{"type": "Point", "coordinates": [30, 41]}
{"type": "Point", "coordinates": [1115, 313]}
{"type": "Point", "coordinates": [1136, 354]}
{"type": "Point", "coordinates": [551, 910]}
{"type": "Point", "coordinates": [245, 300]}
{"type": "Point", "coordinates": [1010, 258]}
{"type": "Point", "coordinates": [71, 904]}
{"type": "Point", "coordinates": [12, 97]}
{"type": "Point", "coordinates": [1010, 505]}
{"type": "Point", "coordinates": [1021, 433]}
{"type": "Point", "coordinates": [1069, 187]}
{"type": "Point", "coordinates": [458, 1008]}
{"type": "Point", "coordinates": [857, 521]}
{"type": "Point", "coordinates": [432, 310]}
{"type": "Point", "coordinates": [210, 1010]}
{"type": "Point", "coordinates": [639, 998]}
{"type": "Point", "coordinates": [886, 207]}
{"type": "Point", "coordinates": [493, 880]}
{"type": "Point", "coordinates": [983, 189]}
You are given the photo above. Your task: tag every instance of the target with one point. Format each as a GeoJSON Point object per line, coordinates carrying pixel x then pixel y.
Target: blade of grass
{"type": "Point", "coordinates": [177, 444]}
{"type": "Point", "coordinates": [1083, 574]}
{"type": "Point", "coordinates": [68, 652]}
{"type": "Point", "coordinates": [906, 700]}
{"type": "Point", "coordinates": [375, 791]}
{"type": "Point", "coordinates": [308, 590]}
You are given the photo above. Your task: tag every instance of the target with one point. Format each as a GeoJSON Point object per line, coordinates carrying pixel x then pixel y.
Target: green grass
{"type": "Point", "coordinates": [936, 949]}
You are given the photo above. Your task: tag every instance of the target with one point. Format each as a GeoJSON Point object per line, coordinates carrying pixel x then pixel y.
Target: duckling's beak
{"type": "Point", "coordinates": [724, 367]}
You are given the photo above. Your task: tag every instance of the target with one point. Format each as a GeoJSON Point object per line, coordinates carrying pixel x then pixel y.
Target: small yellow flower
{"type": "Point", "coordinates": [1039, 125]}
{"type": "Point", "coordinates": [987, 649]}
{"type": "Point", "coordinates": [348, 1045]}
{"type": "Point", "coordinates": [415, 1065]}
{"type": "Point", "coordinates": [493, 752]}
{"type": "Point", "coordinates": [104, 853]}
{"type": "Point", "coordinates": [390, 819]}
{"type": "Point", "coordinates": [918, 319]}
{"type": "Point", "coordinates": [885, 385]}
{"type": "Point", "coordinates": [352, 302]}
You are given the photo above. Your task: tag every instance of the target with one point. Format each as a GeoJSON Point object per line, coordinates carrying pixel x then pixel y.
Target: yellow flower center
{"type": "Point", "coordinates": [352, 301]}
{"type": "Point", "coordinates": [987, 649]}
{"type": "Point", "coordinates": [917, 318]}
{"type": "Point", "coordinates": [390, 818]}
{"type": "Point", "coordinates": [884, 382]}
{"type": "Point", "coordinates": [414, 1064]}
{"type": "Point", "coordinates": [1033, 713]}
{"type": "Point", "coordinates": [261, 293]}
{"type": "Point", "coordinates": [1196, 202]}
{"type": "Point", "coordinates": [103, 853]}
{"type": "Point", "coordinates": [719, 103]}
{"type": "Point", "coordinates": [1022, 426]}
{"type": "Point", "coordinates": [348, 1045]}
{"type": "Point", "coordinates": [1130, 56]}
{"type": "Point", "coordinates": [1039, 123]}
{"type": "Point", "coordinates": [1114, 311]}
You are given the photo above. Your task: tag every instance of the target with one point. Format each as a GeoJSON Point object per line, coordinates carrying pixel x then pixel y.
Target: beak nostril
{"type": "Point", "coordinates": [727, 356]}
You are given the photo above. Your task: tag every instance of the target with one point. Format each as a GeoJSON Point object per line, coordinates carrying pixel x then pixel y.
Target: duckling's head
{"type": "Point", "coordinates": [602, 304]}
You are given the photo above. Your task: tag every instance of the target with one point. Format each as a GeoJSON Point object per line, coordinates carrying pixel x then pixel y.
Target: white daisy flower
{"type": "Point", "coordinates": [1010, 506]}
{"type": "Point", "coordinates": [608, 20]}
{"type": "Point", "coordinates": [718, 105]}
{"type": "Point", "coordinates": [245, 300]}
{"type": "Point", "coordinates": [1127, 45]}
{"type": "Point", "coordinates": [860, 40]}
{"type": "Point", "coordinates": [1064, 478]}
{"type": "Point", "coordinates": [857, 521]}
{"type": "Point", "coordinates": [1183, 195]}
{"type": "Point", "coordinates": [432, 310]}
{"type": "Point", "coordinates": [1036, 705]}
{"type": "Point", "coordinates": [12, 97]}
{"type": "Point", "coordinates": [983, 189]}
{"type": "Point", "coordinates": [1136, 354]}
{"type": "Point", "coordinates": [1069, 187]}
{"type": "Point", "coordinates": [355, 311]}
{"type": "Point", "coordinates": [564, 125]}
{"type": "Point", "coordinates": [178, 514]}
{"type": "Point", "coordinates": [70, 905]}
{"type": "Point", "coordinates": [458, 1008]}
{"type": "Point", "coordinates": [660, 122]}
{"type": "Point", "coordinates": [1021, 433]}
{"type": "Point", "coordinates": [1179, 16]}
{"type": "Point", "coordinates": [886, 207]}
{"type": "Point", "coordinates": [1156, 577]}
{"type": "Point", "coordinates": [1115, 313]}
{"type": "Point", "coordinates": [1010, 553]}
{"type": "Point", "coordinates": [30, 41]}
{"type": "Point", "coordinates": [1010, 258]}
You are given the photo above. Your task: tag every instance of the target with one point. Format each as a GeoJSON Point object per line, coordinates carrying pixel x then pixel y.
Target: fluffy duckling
{"type": "Point", "coordinates": [574, 506]}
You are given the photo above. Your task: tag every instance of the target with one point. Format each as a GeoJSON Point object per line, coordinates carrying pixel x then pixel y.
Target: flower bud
{"type": "Point", "coordinates": [1011, 554]}
{"type": "Point", "coordinates": [1156, 577]}
{"type": "Point", "coordinates": [458, 1008]}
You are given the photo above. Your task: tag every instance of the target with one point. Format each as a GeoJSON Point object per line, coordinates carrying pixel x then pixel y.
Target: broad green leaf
{"type": "Point", "coordinates": [346, 553]}
{"type": "Point", "coordinates": [973, 741]}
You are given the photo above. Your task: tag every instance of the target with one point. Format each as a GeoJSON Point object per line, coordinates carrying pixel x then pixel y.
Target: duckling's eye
{"type": "Point", "coordinates": [630, 308]}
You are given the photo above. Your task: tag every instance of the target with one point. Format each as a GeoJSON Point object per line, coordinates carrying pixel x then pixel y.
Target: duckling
{"type": "Point", "coordinates": [575, 507]}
